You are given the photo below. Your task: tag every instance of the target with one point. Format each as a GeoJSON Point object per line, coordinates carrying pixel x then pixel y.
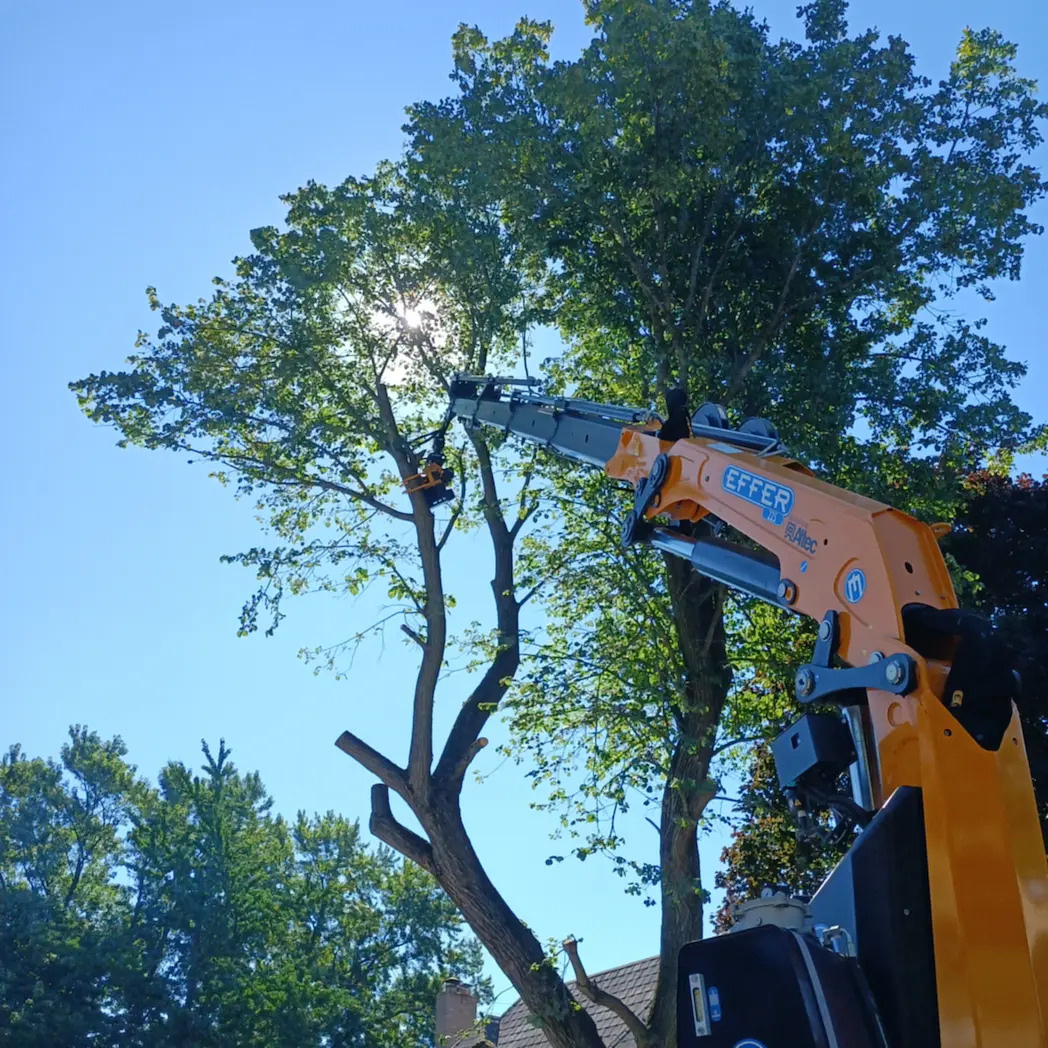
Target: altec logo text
{"type": "Point", "coordinates": [798, 535]}
{"type": "Point", "coordinates": [775, 500]}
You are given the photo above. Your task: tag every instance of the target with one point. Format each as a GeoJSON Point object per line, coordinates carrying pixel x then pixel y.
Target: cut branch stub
{"type": "Point", "coordinates": [383, 824]}
{"type": "Point", "coordinates": [603, 999]}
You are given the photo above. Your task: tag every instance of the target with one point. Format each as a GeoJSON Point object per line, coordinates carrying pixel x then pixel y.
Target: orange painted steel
{"type": "Point", "coordinates": [986, 861]}
{"type": "Point", "coordinates": [431, 476]}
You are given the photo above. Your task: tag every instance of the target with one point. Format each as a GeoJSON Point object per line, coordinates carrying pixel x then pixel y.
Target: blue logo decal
{"type": "Point", "coordinates": [854, 586]}
{"type": "Point", "coordinates": [775, 500]}
{"type": "Point", "coordinates": [714, 999]}
{"type": "Point", "coordinates": [798, 535]}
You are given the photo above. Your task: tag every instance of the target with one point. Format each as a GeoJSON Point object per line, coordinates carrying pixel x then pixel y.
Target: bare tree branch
{"type": "Point", "coordinates": [376, 763]}
{"type": "Point", "coordinates": [488, 694]}
{"type": "Point", "coordinates": [385, 827]}
{"type": "Point", "coordinates": [243, 462]}
{"type": "Point", "coordinates": [700, 247]}
{"type": "Point", "coordinates": [456, 512]}
{"type": "Point", "coordinates": [744, 740]}
{"type": "Point", "coordinates": [603, 999]}
{"type": "Point", "coordinates": [458, 772]}
{"type": "Point", "coordinates": [531, 593]}
{"type": "Point", "coordinates": [770, 328]}
{"type": "Point", "coordinates": [417, 638]}
{"type": "Point", "coordinates": [522, 518]}
{"type": "Point", "coordinates": [707, 293]}
{"type": "Point", "coordinates": [524, 511]}
{"type": "Point", "coordinates": [420, 754]}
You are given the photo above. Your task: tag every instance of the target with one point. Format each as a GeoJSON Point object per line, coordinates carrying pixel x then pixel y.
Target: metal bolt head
{"type": "Point", "coordinates": [659, 469]}
{"type": "Point", "coordinates": [893, 672]}
{"type": "Point", "coordinates": [805, 681]}
{"type": "Point", "coordinates": [875, 656]}
{"type": "Point", "coordinates": [629, 528]}
{"type": "Point", "coordinates": [787, 591]}
{"type": "Point", "coordinates": [825, 630]}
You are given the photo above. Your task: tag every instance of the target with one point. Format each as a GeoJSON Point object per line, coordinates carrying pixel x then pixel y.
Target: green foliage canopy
{"type": "Point", "coordinates": [188, 913]}
{"type": "Point", "coordinates": [784, 226]}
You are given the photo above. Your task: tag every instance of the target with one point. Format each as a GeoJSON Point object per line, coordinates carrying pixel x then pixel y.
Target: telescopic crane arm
{"type": "Point", "coordinates": [935, 694]}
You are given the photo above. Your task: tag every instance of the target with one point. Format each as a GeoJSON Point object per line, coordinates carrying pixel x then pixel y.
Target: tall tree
{"type": "Point", "coordinates": [304, 380]}
{"type": "Point", "coordinates": [60, 910]}
{"type": "Point", "coordinates": [773, 224]}
{"type": "Point", "coordinates": [189, 914]}
{"type": "Point", "coordinates": [694, 204]}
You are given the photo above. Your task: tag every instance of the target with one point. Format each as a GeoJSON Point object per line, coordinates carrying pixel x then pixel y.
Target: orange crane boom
{"type": "Point", "coordinates": [933, 715]}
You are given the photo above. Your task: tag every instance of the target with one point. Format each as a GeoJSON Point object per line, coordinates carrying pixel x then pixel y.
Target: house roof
{"type": "Point", "coordinates": [634, 984]}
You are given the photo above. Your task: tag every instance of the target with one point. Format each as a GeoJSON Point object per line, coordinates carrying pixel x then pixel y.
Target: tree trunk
{"type": "Point", "coordinates": [515, 949]}
{"type": "Point", "coordinates": [697, 606]}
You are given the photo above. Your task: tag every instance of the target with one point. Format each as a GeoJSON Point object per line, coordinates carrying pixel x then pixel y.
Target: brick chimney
{"type": "Point", "coordinates": [456, 1011]}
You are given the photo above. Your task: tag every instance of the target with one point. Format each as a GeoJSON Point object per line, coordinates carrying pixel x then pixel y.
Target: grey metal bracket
{"type": "Point", "coordinates": [847, 687]}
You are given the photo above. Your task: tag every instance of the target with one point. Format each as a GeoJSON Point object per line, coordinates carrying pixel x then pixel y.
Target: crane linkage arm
{"type": "Point", "coordinates": [936, 692]}
{"type": "Point", "coordinates": [823, 548]}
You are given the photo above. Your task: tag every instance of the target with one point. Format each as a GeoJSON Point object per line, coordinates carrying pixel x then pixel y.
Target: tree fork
{"type": "Point", "coordinates": [449, 857]}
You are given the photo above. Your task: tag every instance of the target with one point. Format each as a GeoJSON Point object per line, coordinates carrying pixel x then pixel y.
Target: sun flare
{"type": "Point", "coordinates": [415, 315]}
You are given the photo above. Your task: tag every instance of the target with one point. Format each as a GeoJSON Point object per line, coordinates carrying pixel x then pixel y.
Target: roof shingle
{"type": "Point", "coordinates": [633, 983]}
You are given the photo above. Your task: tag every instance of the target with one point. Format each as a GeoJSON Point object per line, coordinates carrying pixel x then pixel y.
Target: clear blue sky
{"type": "Point", "coordinates": [141, 142]}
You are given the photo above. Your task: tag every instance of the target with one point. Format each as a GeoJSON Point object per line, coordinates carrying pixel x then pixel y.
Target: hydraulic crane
{"type": "Point", "coordinates": [935, 925]}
